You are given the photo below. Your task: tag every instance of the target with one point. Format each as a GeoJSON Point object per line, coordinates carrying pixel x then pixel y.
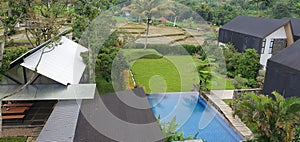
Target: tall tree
{"type": "Point", "coordinates": [92, 27]}
{"type": "Point", "coordinates": [151, 8]}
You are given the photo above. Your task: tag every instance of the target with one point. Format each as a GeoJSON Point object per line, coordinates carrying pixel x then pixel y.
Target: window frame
{"type": "Point", "coordinates": [271, 46]}
{"type": "Point", "coordinates": [263, 47]}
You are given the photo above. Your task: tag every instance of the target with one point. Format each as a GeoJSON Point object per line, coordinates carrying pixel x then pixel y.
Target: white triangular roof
{"type": "Point", "coordinates": [63, 64]}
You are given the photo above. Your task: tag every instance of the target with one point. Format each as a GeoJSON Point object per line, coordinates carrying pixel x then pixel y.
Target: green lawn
{"type": "Point", "coordinates": [220, 82]}
{"type": "Point", "coordinates": [171, 74]}
{"type": "Point", "coordinates": [134, 54]}
{"type": "Point", "coordinates": [13, 139]}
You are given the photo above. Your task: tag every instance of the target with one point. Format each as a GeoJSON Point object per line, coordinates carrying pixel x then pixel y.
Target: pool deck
{"type": "Point", "coordinates": [227, 112]}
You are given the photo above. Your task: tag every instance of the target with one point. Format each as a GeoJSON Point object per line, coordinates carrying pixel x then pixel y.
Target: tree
{"type": "Point", "coordinates": [10, 14]}
{"type": "Point", "coordinates": [150, 8]}
{"type": "Point", "coordinates": [204, 75]}
{"type": "Point", "coordinates": [272, 119]}
{"type": "Point", "coordinates": [248, 64]}
{"type": "Point", "coordinates": [281, 10]}
{"type": "Point", "coordinates": [44, 20]}
{"type": "Point", "coordinates": [92, 26]}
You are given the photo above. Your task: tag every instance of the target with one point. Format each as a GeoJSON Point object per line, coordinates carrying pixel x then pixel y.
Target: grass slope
{"type": "Point", "coordinates": [170, 74]}
{"type": "Point", "coordinates": [173, 74]}
{"type": "Point", "coordinates": [13, 139]}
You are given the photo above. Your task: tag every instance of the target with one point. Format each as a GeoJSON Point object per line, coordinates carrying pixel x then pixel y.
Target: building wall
{"type": "Point", "coordinates": [282, 79]}
{"type": "Point", "coordinates": [279, 34]}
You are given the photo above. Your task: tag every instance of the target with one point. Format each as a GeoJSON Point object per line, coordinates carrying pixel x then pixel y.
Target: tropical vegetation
{"type": "Point", "coordinates": [272, 118]}
{"type": "Point", "coordinates": [170, 132]}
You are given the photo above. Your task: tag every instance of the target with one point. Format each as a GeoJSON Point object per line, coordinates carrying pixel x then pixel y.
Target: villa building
{"type": "Point", "coordinates": [283, 72]}
{"type": "Point", "coordinates": [266, 36]}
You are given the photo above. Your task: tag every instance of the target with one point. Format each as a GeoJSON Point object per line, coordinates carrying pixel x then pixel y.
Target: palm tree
{"type": "Point", "coordinates": [272, 119]}
{"type": "Point", "coordinates": [150, 8]}
{"type": "Point", "coordinates": [204, 75]}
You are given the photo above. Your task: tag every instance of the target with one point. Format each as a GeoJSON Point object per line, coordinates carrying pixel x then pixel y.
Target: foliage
{"type": "Point", "coordinates": [46, 18]}
{"type": "Point", "coordinates": [13, 139]}
{"type": "Point", "coordinates": [260, 78]}
{"type": "Point", "coordinates": [239, 82]}
{"type": "Point", "coordinates": [281, 10]}
{"type": "Point", "coordinates": [150, 8]}
{"type": "Point", "coordinates": [10, 54]}
{"type": "Point", "coordinates": [204, 75]}
{"type": "Point", "coordinates": [102, 85]}
{"type": "Point", "coordinates": [171, 50]}
{"type": "Point", "coordinates": [246, 64]}
{"type": "Point", "coordinates": [169, 131]}
{"type": "Point", "coordinates": [119, 65]}
{"type": "Point", "coordinates": [297, 133]}
{"type": "Point", "coordinates": [272, 119]}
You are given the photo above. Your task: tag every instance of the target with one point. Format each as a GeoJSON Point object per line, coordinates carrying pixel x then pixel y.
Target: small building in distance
{"type": "Point", "coordinates": [283, 72]}
{"type": "Point", "coordinates": [266, 36]}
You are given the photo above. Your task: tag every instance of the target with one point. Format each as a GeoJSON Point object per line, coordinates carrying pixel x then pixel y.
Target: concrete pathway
{"type": "Point", "coordinates": [223, 94]}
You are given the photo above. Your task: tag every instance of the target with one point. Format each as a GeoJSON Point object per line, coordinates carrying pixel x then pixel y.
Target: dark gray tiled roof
{"type": "Point", "coordinates": [295, 25]}
{"type": "Point", "coordinates": [289, 57]}
{"type": "Point", "coordinates": [108, 118]}
{"type": "Point", "coordinates": [254, 26]}
{"type": "Point", "coordinates": [121, 116]}
{"type": "Point", "coordinates": [61, 125]}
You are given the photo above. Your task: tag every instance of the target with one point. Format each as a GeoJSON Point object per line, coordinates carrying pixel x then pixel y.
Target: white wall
{"type": "Point", "coordinates": [279, 34]}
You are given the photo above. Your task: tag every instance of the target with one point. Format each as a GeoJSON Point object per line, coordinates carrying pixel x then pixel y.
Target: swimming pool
{"type": "Point", "coordinates": [194, 115]}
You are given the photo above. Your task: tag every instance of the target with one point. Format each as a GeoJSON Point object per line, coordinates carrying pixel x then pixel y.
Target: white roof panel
{"type": "Point", "coordinates": [62, 64]}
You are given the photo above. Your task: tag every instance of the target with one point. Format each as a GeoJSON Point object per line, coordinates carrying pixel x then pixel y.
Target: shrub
{"type": "Point", "coordinates": [297, 134]}
{"type": "Point", "coordinates": [152, 56]}
{"type": "Point", "coordinates": [239, 82]}
{"type": "Point", "coordinates": [252, 83]}
{"type": "Point", "coordinates": [170, 50]}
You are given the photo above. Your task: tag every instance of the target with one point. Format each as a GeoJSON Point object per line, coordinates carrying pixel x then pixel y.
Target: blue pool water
{"type": "Point", "coordinates": [194, 115]}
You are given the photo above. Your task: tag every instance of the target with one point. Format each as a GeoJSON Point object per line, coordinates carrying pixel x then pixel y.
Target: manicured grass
{"type": "Point", "coordinates": [220, 82]}
{"type": "Point", "coordinates": [174, 74]}
{"type": "Point", "coordinates": [13, 139]}
{"type": "Point", "coordinates": [103, 86]}
{"type": "Point", "coordinates": [134, 54]}
{"type": "Point", "coordinates": [170, 74]}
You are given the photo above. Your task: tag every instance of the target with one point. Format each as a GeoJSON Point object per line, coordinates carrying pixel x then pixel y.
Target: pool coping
{"type": "Point", "coordinates": [226, 112]}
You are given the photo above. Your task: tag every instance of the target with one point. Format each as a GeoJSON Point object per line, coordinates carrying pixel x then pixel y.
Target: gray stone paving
{"type": "Point", "coordinates": [227, 112]}
{"type": "Point", "coordinates": [223, 94]}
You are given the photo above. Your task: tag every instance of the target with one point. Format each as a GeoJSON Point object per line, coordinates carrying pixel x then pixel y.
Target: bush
{"type": "Point", "coordinates": [239, 82]}
{"type": "Point", "coordinates": [152, 56]}
{"type": "Point", "coordinates": [252, 83]}
{"type": "Point", "coordinates": [170, 50]}
{"type": "Point", "coordinates": [297, 134]}
{"type": "Point", "coordinates": [10, 54]}
{"type": "Point", "coordinates": [246, 64]}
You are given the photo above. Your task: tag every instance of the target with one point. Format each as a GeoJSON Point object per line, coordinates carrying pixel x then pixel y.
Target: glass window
{"type": "Point", "coordinates": [271, 46]}
{"type": "Point", "coordinates": [263, 46]}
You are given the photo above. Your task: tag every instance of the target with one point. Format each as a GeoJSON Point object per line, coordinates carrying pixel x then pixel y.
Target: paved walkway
{"type": "Point", "coordinates": [227, 112]}
{"type": "Point", "coordinates": [223, 94]}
